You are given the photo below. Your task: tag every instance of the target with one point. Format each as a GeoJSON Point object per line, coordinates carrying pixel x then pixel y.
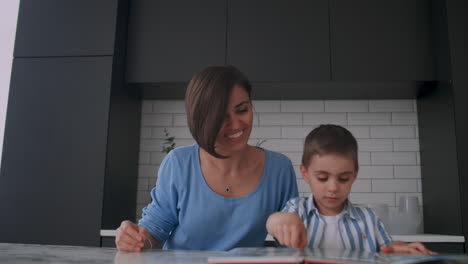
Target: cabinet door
{"type": "Point", "coordinates": [65, 28]}
{"type": "Point", "coordinates": [168, 41]}
{"type": "Point", "coordinates": [381, 40]}
{"type": "Point", "coordinates": [54, 152]}
{"type": "Point", "coordinates": [279, 40]}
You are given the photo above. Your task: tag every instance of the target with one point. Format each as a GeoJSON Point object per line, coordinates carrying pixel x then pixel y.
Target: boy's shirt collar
{"type": "Point", "coordinates": [349, 209]}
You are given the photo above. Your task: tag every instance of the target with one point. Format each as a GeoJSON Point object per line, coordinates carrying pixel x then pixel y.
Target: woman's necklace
{"type": "Point", "coordinates": [227, 188]}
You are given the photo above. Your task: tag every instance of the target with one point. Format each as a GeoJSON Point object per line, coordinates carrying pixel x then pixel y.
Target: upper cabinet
{"type": "Point", "coordinates": [284, 42]}
{"type": "Point", "coordinates": [65, 28]}
{"type": "Point", "coordinates": [168, 41]}
{"type": "Point", "coordinates": [279, 40]}
{"type": "Point", "coordinates": [381, 40]}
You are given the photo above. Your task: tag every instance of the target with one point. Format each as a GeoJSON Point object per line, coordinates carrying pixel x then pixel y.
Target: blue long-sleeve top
{"type": "Point", "coordinates": [186, 214]}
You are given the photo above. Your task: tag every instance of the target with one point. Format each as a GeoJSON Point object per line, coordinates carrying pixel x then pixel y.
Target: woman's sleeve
{"type": "Point", "coordinates": [160, 217]}
{"type": "Point", "coordinates": [289, 185]}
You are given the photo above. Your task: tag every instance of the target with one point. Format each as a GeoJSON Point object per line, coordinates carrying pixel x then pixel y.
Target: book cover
{"type": "Point", "coordinates": [327, 256]}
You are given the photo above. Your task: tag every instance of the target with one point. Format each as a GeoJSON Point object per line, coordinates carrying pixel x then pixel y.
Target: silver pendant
{"type": "Point", "coordinates": [227, 189]}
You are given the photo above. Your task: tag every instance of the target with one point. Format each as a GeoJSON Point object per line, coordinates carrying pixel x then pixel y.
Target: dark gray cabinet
{"type": "Point", "coordinates": [70, 153]}
{"type": "Point", "coordinates": [381, 40]}
{"type": "Point", "coordinates": [281, 41]}
{"type": "Point", "coordinates": [54, 153]}
{"type": "Point", "coordinates": [65, 28]}
{"type": "Point", "coordinates": [168, 41]}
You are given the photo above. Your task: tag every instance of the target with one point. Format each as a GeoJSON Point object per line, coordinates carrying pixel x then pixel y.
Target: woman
{"type": "Point", "coordinates": [216, 194]}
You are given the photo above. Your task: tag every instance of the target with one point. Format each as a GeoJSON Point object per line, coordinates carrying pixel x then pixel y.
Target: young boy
{"type": "Point", "coordinates": [327, 219]}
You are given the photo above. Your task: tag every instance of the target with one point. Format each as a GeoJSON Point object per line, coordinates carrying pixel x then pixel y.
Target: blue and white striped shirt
{"type": "Point", "coordinates": [359, 227]}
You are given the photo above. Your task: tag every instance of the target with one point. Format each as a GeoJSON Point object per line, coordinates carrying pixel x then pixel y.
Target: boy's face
{"type": "Point", "coordinates": [330, 177]}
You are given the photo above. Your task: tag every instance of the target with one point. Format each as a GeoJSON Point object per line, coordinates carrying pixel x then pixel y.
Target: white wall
{"type": "Point", "coordinates": [386, 131]}
{"type": "Point", "coordinates": [8, 19]}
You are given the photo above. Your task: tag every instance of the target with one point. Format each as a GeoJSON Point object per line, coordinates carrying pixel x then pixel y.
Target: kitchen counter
{"type": "Point", "coordinates": [33, 254]}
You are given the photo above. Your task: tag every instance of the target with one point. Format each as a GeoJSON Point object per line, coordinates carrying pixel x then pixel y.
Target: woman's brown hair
{"type": "Point", "coordinates": [330, 139]}
{"type": "Point", "coordinates": [206, 101]}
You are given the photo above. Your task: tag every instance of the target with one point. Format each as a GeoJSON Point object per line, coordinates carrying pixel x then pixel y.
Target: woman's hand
{"type": "Point", "coordinates": [288, 229]}
{"type": "Point", "coordinates": [131, 237]}
{"type": "Point", "coordinates": [399, 247]}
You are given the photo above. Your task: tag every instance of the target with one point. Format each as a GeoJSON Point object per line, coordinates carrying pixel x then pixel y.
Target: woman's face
{"type": "Point", "coordinates": [237, 124]}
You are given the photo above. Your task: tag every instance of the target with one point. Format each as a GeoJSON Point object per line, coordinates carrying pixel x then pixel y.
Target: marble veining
{"type": "Point", "coordinates": [33, 254]}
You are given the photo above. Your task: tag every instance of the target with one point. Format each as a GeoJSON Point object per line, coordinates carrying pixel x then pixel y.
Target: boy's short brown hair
{"type": "Point", "coordinates": [330, 139]}
{"type": "Point", "coordinates": [206, 101]}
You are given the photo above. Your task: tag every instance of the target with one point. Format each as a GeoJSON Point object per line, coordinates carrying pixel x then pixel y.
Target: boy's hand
{"type": "Point", "coordinates": [399, 247]}
{"type": "Point", "coordinates": [131, 237]}
{"type": "Point", "coordinates": [288, 229]}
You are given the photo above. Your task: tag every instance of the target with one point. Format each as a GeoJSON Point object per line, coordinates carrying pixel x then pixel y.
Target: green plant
{"type": "Point", "coordinates": [169, 143]}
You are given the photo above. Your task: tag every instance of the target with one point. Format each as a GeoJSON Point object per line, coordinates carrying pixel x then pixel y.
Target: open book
{"type": "Point", "coordinates": [326, 256]}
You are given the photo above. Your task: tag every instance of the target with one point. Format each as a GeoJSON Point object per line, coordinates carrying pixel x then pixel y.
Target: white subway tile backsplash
{"type": "Point", "coordinates": [396, 185]}
{"type": "Point", "coordinates": [386, 131]}
{"type": "Point", "coordinates": [369, 118]}
{"type": "Point", "coordinates": [147, 171]}
{"type": "Point", "coordinates": [180, 120]}
{"type": "Point", "coordinates": [393, 132]}
{"type": "Point", "coordinates": [364, 198]}
{"type": "Point", "coordinates": [393, 158]}
{"type": "Point", "coordinates": [169, 106]}
{"type": "Point", "coordinates": [142, 184]}
{"type": "Point", "coordinates": [347, 106]}
{"type": "Point", "coordinates": [145, 132]}
{"type": "Point", "coordinates": [303, 186]}
{"type": "Point", "coordinates": [324, 118]}
{"type": "Point", "coordinates": [391, 106]}
{"type": "Point", "coordinates": [156, 120]}
{"type": "Point", "coordinates": [144, 158]}
{"type": "Point", "coordinates": [302, 106]}
{"type": "Point", "coordinates": [406, 144]}
{"type": "Point", "coordinates": [266, 106]}
{"type": "Point", "coordinates": [362, 185]}
{"type": "Point", "coordinates": [295, 157]}
{"type": "Point", "coordinates": [374, 172]}
{"type": "Point", "coordinates": [375, 144]}
{"type": "Point", "coordinates": [280, 119]}
{"type": "Point", "coordinates": [265, 132]}
{"type": "Point", "coordinates": [408, 172]}
{"type": "Point", "coordinates": [143, 197]}
{"type": "Point", "coordinates": [297, 171]}
{"type": "Point", "coordinates": [364, 158]}
{"type": "Point", "coordinates": [157, 157]}
{"type": "Point", "coordinates": [296, 132]}
{"type": "Point", "coordinates": [359, 131]}
{"type": "Point", "coordinates": [177, 132]}
{"type": "Point", "coordinates": [404, 119]}
{"type": "Point", "coordinates": [284, 145]}
{"type": "Point", "coordinates": [151, 144]}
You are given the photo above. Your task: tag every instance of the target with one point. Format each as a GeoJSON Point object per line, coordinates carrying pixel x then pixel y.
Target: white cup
{"type": "Point", "coordinates": [409, 204]}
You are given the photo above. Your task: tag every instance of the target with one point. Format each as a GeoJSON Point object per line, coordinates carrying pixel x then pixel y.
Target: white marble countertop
{"type": "Point", "coordinates": [35, 254]}
{"type": "Point", "coordinates": [427, 238]}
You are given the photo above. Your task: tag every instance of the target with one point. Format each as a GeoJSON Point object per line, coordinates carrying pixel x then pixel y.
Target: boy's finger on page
{"type": "Point", "coordinates": [386, 249]}
{"type": "Point", "coordinates": [419, 247]}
